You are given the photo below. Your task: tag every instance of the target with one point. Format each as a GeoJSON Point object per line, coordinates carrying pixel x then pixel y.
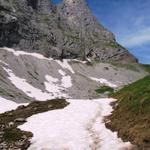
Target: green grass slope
{"type": "Point", "coordinates": [131, 117]}
{"type": "Point", "coordinates": [104, 89]}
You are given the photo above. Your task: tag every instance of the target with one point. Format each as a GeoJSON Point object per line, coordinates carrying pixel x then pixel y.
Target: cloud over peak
{"type": "Point", "coordinates": [142, 36]}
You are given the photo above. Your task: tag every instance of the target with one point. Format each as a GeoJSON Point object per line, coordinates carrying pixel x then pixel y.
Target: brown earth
{"type": "Point", "coordinates": [133, 127]}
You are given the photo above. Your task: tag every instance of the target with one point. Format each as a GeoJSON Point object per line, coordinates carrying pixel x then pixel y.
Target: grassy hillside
{"type": "Point", "coordinates": [146, 67]}
{"type": "Point", "coordinates": [131, 117]}
{"type": "Point", "coordinates": [104, 89]}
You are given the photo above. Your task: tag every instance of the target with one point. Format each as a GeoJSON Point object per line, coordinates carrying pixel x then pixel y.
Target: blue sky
{"type": "Point", "coordinates": [129, 20]}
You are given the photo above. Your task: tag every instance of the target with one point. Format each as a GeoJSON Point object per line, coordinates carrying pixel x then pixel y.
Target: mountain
{"type": "Point", "coordinates": [66, 30]}
{"type": "Point", "coordinates": [28, 78]}
{"type": "Point", "coordinates": [49, 102]}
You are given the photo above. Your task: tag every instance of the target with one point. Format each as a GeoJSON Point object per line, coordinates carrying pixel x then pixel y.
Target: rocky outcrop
{"type": "Point", "coordinates": [67, 30]}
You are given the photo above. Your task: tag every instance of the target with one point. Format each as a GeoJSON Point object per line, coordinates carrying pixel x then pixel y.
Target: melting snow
{"type": "Point", "coordinates": [53, 87]}
{"type": "Point", "coordinates": [7, 105]}
{"type": "Point", "coordinates": [80, 61]}
{"type": "Point", "coordinates": [3, 63]}
{"type": "Point", "coordinates": [109, 140]}
{"type": "Point", "coordinates": [61, 72]}
{"type": "Point", "coordinates": [79, 126]}
{"type": "Point", "coordinates": [64, 64]}
{"type": "Point", "coordinates": [27, 88]}
{"type": "Point", "coordinates": [51, 84]}
{"type": "Point", "coordinates": [104, 81]}
{"type": "Point", "coordinates": [66, 79]}
{"type": "Point", "coordinates": [18, 53]}
{"type": "Point", "coordinates": [51, 79]}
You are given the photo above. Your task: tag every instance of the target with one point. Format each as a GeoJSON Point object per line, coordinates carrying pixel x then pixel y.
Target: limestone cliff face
{"type": "Point", "coordinates": [76, 16]}
{"type": "Point", "coordinates": [68, 30]}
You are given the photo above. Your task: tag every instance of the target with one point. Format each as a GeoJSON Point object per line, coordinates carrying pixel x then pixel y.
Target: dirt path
{"type": "Point", "coordinates": [101, 137]}
{"type": "Point", "coordinates": [95, 137]}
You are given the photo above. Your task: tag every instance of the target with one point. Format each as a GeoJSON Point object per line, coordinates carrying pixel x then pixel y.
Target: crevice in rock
{"type": "Point", "coordinates": [33, 3]}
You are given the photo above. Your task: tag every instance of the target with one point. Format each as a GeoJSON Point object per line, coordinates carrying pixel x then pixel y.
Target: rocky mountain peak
{"type": "Point", "coordinates": [78, 16]}
{"type": "Point", "coordinates": [66, 30]}
{"type": "Point", "coordinates": [43, 6]}
{"type": "Point", "coordinates": [74, 2]}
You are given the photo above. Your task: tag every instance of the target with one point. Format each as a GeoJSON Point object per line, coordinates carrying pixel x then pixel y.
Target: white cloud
{"type": "Point", "coordinates": [137, 38]}
{"type": "Point", "coordinates": [145, 59]}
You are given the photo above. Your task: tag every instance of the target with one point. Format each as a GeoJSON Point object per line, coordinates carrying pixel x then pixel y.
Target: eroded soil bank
{"type": "Point", "coordinates": [131, 116]}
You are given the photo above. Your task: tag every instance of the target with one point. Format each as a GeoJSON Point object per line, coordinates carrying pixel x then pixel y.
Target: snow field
{"type": "Point", "coordinates": [78, 126]}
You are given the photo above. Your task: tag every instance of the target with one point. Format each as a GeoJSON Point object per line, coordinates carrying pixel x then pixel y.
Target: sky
{"type": "Point", "coordinates": [129, 20]}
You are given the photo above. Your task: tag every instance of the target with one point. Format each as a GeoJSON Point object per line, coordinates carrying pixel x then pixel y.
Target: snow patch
{"type": "Point", "coordinates": [62, 72]}
{"type": "Point", "coordinates": [52, 85]}
{"type": "Point", "coordinates": [7, 105]}
{"type": "Point", "coordinates": [64, 64]}
{"type": "Point", "coordinates": [3, 63]}
{"type": "Point", "coordinates": [18, 53]}
{"type": "Point", "coordinates": [61, 129]}
{"type": "Point", "coordinates": [27, 88]}
{"type": "Point", "coordinates": [80, 61]}
{"type": "Point", "coordinates": [66, 79]}
{"type": "Point", "coordinates": [108, 139]}
{"type": "Point", "coordinates": [51, 79]}
{"type": "Point", "coordinates": [104, 81]}
{"type": "Point", "coordinates": [79, 126]}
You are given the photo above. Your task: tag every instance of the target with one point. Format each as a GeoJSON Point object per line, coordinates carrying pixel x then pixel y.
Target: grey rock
{"type": "Point", "coordinates": [68, 30]}
{"type": "Point", "coordinates": [34, 70]}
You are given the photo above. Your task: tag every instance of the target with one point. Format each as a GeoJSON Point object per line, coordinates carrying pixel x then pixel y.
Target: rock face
{"type": "Point", "coordinates": [67, 30]}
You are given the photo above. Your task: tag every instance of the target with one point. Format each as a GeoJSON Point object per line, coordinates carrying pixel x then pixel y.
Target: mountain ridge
{"type": "Point", "coordinates": [66, 30]}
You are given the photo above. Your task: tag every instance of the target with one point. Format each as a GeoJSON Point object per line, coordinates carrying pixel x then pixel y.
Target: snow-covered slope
{"type": "Point", "coordinates": [35, 77]}
{"type": "Point", "coordinates": [7, 105]}
{"type": "Point", "coordinates": [25, 77]}
{"type": "Point", "coordinates": [79, 126]}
